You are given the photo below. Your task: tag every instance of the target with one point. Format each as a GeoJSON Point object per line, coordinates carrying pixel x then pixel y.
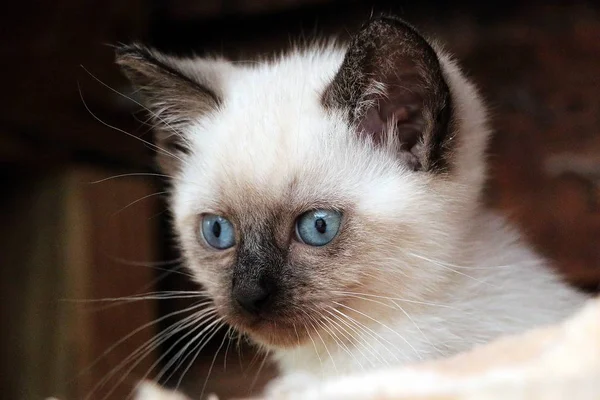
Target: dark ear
{"type": "Point", "coordinates": [173, 93]}
{"type": "Point", "coordinates": [393, 90]}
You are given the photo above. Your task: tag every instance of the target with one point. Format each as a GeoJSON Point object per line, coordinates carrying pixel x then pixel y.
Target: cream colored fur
{"type": "Point", "coordinates": [438, 274]}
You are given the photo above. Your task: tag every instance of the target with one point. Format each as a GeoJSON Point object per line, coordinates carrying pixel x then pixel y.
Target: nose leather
{"type": "Point", "coordinates": [252, 296]}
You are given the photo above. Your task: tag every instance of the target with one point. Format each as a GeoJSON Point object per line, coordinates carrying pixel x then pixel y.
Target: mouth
{"type": "Point", "coordinates": [283, 332]}
{"type": "Point", "coordinates": [295, 326]}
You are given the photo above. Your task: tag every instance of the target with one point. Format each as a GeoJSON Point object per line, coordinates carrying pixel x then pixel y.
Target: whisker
{"type": "Point", "coordinates": [153, 174]}
{"type": "Point", "coordinates": [140, 297]}
{"type": "Point", "coordinates": [203, 329]}
{"type": "Point", "coordinates": [138, 200]}
{"type": "Point", "coordinates": [260, 367]}
{"type": "Point", "coordinates": [239, 351]}
{"type": "Point", "coordinates": [382, 324]}
{"type": "Point", "coordinates": [229, 340]}
{"type": "Point", "coordinates": [450, 265]}
{"type": "Point", "coordinates": [368, 331]}
{"type": "Point", "coordinates": [254, 359]}
{"type": "Point", "coordinates": [315, 346]}
{"type": "Point", "coordinates": [176, 261]}
{"type": "Point", "coordinates": [323, 341]}
{"type": "Point", "coordinates": [398, 299]}
{"type": "Point", "coordinates": [397, 306]}
{"type": "Point", "coordinates": [194, 321]}
{"type": "Point", "coordinates": [441, 265]}
{"type": "Point", "coordinates": [415, 324]}
{"type": "Point", "coordinates": [340, 342]}
{"type": "Point", "coordinates": [156, 265]}
{"type": "Point", "coordinates": [196, 351]}
{"type": "Point", "coordinates": [146, 347]}
{"type": "Point", "coordinates": [212, 364]}
{"type": "Point", "coordinates": [151, 145]}
{"type": "Point", "coordinates": [376, 336]}
{"type": "Point", "coordinates": [150, 112]}
{"type": "Point", "coordinates": [371, 300]}
{"type": "Point", "coordinates": [136, 331]}
{"type": "Point", "coordinates": [355, 340]}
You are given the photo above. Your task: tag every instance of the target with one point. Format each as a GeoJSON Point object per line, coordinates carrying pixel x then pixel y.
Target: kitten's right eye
{"type": "Point", "coordinates": [218, 232]}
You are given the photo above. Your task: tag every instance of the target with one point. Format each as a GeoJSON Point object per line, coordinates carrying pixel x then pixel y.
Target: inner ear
{"type": "Point", "coordinates": [394, 118]}
{"type": "Point", "coordinates": [391, 87]}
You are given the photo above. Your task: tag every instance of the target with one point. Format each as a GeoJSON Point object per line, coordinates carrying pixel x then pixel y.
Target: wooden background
{"type": "Point", "coordinates": [537, 64]}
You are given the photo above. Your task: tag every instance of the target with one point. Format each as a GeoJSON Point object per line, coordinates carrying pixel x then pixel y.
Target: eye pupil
{"type": "Point", "coordinates": [216, 229]}
{"type": "Point", "coordinates": [321, 225]}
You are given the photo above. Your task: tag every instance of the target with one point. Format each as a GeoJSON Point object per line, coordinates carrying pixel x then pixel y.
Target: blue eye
{"type": "Point", "coordinates": [318, 227]}
{"type": "Point", "coordinates": [218, 231]}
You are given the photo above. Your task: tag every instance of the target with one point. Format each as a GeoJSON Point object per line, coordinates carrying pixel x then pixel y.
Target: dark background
{"type": "Point", "coordinates": [65, 237]}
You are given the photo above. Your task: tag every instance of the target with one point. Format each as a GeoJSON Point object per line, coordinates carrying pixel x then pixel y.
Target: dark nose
{"type": "Point", "coordinates": [252, 296]}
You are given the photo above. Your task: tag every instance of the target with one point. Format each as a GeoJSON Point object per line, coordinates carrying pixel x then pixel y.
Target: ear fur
{"type": "Point", "coordinates": [392, 87]}
{"type": "Point", "coordinates": [173, 91]}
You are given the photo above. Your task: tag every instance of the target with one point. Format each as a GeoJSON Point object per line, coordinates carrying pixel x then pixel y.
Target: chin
{"type": "Point", "coordinates": [277, 333]}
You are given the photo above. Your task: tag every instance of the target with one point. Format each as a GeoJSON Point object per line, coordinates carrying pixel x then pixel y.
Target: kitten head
{"type": "Point", "coordinates": [307, 186]}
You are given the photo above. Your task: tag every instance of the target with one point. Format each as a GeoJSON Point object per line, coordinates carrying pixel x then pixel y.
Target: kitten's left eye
{"type": "Point", "coordinates": [318, 227]}
{"type": "Point", "coordinates": [217, 231]}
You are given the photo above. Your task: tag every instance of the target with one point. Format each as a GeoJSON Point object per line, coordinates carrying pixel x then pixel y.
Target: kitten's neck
{"type": "Point", "coordinates": [492, 283]}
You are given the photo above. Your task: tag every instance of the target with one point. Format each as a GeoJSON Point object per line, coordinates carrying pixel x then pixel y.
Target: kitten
{"type": "Point", "coordinates": [329, 201]}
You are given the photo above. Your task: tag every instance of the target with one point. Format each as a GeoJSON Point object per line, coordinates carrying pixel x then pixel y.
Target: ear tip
{"type": "Point", "coordinates": [391, 20]}
{"type": "Point", "coordinates": [389, 17]}
{"type": "Point", "coordinates": [124, 53]}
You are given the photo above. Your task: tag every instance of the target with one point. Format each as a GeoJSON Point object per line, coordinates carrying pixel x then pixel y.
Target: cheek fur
{"type": "Point", "coordinates": [210, 268]}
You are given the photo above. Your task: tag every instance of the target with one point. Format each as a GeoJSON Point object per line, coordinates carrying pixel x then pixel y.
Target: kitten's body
{"type": "Point", "coordinates": [419, 269]}
{"type": "Point", "coordinates": [505, 289]}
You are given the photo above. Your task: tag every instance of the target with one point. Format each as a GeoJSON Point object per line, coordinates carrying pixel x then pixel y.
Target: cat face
{"type": "Point", "coordinates": [305, 187]}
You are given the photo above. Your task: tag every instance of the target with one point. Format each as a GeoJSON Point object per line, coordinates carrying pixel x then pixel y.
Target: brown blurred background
{"type": "Point", "coordinates": [69, 232]}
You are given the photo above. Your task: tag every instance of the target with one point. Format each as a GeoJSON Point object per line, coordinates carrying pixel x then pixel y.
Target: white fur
{"type": "Point", "coordinates": [471, 278]}
{"type": "Point", "coordinates": [508, 290]}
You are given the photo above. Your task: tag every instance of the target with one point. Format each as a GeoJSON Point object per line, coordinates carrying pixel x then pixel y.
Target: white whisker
{"type": "Point", "coordinates": [153, 174]}
{"type": "Point", "coordinates": [380, 323]}
{"type": "Point", "coordinates": [310, 319]}
{"type": "Point", "coordinates": [370, 332]}
{"type": "Point", "coordinates": [136, 331]}
{"type": "Point", "coordinates": [444, 266]}
{"type": "Point", "coordinates": [398, 299]}
{"type": "Point", "coordinates": [153, 146]}
{"type": "Point", "coordinates": [212, 362]}
{"type": "Point", "coordinates": [356, 340]}
{"type": "Point", "coordinates": [146, 348]}
{"type": "Point", "coordinates": [340, 342]}
{"type": "Point", "coordinates": [260, 367]}
{"type": "Point", "coordinates": [193, 321]}
{"type": "Point", "coordinates": [150, 112]}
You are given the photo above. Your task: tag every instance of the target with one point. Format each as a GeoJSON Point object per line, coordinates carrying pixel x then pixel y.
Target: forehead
{"type": "Point", "coordinates": [273, 144]}
{"type": "Point", "coordinates": [269, 159]}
